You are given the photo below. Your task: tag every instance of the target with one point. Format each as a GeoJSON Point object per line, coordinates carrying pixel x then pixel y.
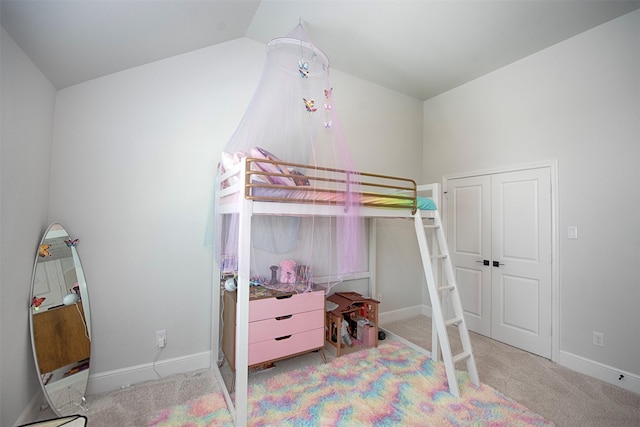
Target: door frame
{"type": "Point", "coordinates": [555, 264]}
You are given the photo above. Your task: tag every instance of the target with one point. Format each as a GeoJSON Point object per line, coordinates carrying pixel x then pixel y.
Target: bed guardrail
{"type": "Point", "coordinates": [308, 184]}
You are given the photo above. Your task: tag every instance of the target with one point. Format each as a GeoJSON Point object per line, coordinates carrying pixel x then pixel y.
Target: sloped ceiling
{"type": "Point", "coordinates": [419, 48]}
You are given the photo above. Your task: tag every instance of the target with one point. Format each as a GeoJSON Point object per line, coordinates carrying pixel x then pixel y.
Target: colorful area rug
{"type": "Point", "coordinates": [391, 385]}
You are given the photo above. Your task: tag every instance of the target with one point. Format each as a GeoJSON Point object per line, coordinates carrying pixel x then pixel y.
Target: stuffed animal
{"type": "Point", "coordinates": [288, 271]}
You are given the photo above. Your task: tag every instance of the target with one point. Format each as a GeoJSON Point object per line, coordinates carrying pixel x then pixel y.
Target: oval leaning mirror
{"type": "Point", "coordinates": [60, 321]}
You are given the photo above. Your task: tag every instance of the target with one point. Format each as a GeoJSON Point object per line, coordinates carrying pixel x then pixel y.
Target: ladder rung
{"type": "Point", "coordinates": [431, 226]}
{"type": "Point", "coordinates": [440, 256]}
{"type": "Point", "coordinates": [446, 288]}
{"type": "Point", "coordinates": [454, 321]}
{"type": "Point", "coordinates": [460, 357]}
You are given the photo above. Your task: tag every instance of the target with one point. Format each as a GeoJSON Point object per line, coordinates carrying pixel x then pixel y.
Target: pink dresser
{"type": "Point", "coordinates": [279, 326]}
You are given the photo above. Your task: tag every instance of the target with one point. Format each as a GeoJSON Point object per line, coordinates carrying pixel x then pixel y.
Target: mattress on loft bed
{"type": "Point", "coordinates": [274, 180]}
{"type": "Point", "coordinates": [263, 192]}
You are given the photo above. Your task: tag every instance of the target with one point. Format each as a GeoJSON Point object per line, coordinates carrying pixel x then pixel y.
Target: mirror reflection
{"type": "Point", "coordinates": [60, 321]}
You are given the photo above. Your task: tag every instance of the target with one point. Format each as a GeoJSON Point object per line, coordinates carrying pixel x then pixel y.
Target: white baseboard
{"type": "Point", "coordinates": [403, 313]}
{"type": "Point", "coordinates": [608, 374]}
{"type": "Point", "coordinates": [32, 410]}
{"type": "Point", "coordinates": [119, 378]}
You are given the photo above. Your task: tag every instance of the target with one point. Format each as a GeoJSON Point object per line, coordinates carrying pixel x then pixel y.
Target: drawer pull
{"type": "Point", "coordinates": [284, 296]}
{"type": "Point", "coordinates": [289, 316]}
{"type": "Point", "coordinates": [286, 337]}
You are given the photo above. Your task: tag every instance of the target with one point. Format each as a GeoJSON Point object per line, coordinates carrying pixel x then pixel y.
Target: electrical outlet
{"type": "Point", "coordinates": [598, 339]}
{"type": "Point", "coordinates": [161, 338]}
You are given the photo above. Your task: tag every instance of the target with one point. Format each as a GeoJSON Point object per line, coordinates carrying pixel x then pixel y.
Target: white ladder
{"type": "Point", "coordinates": [436, 292]}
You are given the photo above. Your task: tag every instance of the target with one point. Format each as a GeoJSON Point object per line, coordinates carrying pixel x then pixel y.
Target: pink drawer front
{"type": "Point", "coordinates": [268, 308]}
{"type": "Point", "coordinates": [267, 329]}
{"type": "Point", "coordinates": [289, 344]}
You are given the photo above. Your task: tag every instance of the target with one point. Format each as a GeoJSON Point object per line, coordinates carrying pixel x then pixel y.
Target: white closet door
{"type": "Point", "coordinates": [469, 241]}
{"type": "Point", "coordinates": [49, 283]}
{"type": "Point", "coordinates": [504, 218]}
{"type": "Point", "coordinates": [521, 245]}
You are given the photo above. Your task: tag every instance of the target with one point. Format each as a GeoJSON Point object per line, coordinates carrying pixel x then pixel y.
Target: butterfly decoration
{"type": "Point", "coordinates": [37, 302]}
{"type": "Point", "coordinates": [310, 105]}
{"type": "Point", "coordinates": [43, 251]}
{"type": "Point", "coordinates": [303, 68]}
{"type": "Point", "coordinates": [327, 125]}
{"type": "Point", "coordinates": [70, 242]}
{"type": "Point", "coordinates": [327, 95]}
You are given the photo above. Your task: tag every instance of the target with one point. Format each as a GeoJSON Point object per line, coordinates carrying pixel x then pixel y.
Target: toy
{"type": "Point", "coordinates": [303, 273]}
{"type": "Point", "coordinates": [288, 271]}
{"type": "Point", "coordinates": [352, 309]}
{"type": "Point", "coordinates": [257, 280]}
{"type": "Point", "coordinates": [345, 332]}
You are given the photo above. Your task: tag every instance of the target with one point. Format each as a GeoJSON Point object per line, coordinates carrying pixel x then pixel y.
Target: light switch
{"type": "Point", "coordinates": [572, 232]}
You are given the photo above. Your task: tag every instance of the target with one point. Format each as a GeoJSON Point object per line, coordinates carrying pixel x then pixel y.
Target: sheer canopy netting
{"type": "Point", "coordinates": [292, 117]}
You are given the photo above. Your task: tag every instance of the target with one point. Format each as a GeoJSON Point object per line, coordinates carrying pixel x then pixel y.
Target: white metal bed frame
{"type": "Point", "coordinates": [237, 198]}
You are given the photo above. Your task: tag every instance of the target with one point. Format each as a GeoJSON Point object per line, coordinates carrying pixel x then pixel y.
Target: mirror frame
{"type": "Point", "coordinates": [76, 389]}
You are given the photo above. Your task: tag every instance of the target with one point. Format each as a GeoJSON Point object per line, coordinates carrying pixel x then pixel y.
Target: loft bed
{"type": "Point", "coordinates": [263, 185]}
{"type": "Point", "coordinates": [330, 191]}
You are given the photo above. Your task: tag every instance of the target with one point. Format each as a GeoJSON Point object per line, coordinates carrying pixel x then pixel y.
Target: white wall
{"type": "Point", "coordinates": [384, 131]}
{"type": "Point", "coordinates": [578, 102]}
{"type": "Point", "coordinates": [134, 156]}
{"type": "Point", "coordinates": [133, 163]}
{"type": "Point", "coordinates": [27, 119]}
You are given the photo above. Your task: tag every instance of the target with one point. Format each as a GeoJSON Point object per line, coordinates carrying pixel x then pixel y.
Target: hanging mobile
{"type": "Point", "coordinates": [303, 68]}
{"type": "Point", "coordinates": [310, 105]}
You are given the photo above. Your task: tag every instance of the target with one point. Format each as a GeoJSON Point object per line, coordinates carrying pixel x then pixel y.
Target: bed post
{"type": "Point", "coordinates": [373, 280]}
{"type": "Point", "coordinates": [242, 310]}
{"type": "Point", "coordinates": [216, 293]}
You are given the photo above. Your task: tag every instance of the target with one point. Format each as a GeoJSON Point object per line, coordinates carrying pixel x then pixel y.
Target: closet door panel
{"type": "Point", "coordinates": [469, 237]}
{"type": "Point", "coordinates": [521, 245]}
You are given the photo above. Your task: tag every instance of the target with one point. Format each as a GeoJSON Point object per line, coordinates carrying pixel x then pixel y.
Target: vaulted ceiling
{"type": "Point", "coordinates": [419, 48]}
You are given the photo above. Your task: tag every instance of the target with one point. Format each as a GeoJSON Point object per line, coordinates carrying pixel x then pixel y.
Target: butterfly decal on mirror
{"type": "Point", "coordinates": [303, 68]}
{"type": "Point", "coordinates": [37, 302]}
{"type": "Point", "coordinates": [310, 105]}
{"type": "Point", "coordinates": [327, 125]}
{"type": "Point", "coordinates": [70, 242]}
{"type": "Point", "coordinates": [43, 251]}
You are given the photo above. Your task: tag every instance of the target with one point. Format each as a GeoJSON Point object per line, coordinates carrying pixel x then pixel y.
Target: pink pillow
{"type": "Point", "coordinates": [261, 153]}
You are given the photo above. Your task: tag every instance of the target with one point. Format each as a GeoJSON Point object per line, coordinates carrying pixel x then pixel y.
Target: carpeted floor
{"type": "Point", "coordinates": [391, 385]}
{"type": "Point", "coordinates": [134, 406]}
{"type": "Point", "coordinates": [565, 397]}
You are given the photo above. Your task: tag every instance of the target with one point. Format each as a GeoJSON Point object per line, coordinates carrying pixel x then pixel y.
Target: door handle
{"type": "Point", "coordinates": [497, 264]}
{"type": "Point", "coordinates": [483, 262]}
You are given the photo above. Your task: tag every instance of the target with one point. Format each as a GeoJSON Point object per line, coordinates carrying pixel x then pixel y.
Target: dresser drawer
{"type": "Point", "coordinates": [268, 308]}
{"type": "Point", "coordinates": [267, 329]}
{"type": "Point", "coordinates": [271, 349]}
